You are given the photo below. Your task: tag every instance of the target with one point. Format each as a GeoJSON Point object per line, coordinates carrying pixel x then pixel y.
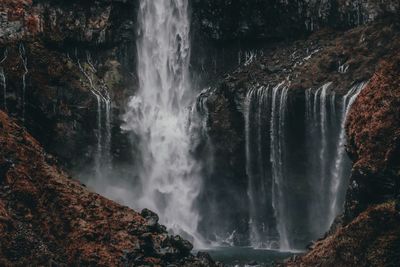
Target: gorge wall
{"type": "Point", "coordinates": [320, 75]}
{"type": "Point", "coordinates": [59, 58]}
{"type": "Point", "coordinates": [101, 37]}
{"type": "Point", "coordinates": [68, 69]}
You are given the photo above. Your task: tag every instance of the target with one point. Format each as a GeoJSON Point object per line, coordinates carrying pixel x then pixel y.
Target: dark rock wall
{"type": "Point", "coordinates": [59, 108]}
{"type": "Point", "coordinates": [309, 63]}
{"type": "Point", "coordinates": [56, 34]}
{"type": "Point", "coordinates": [224, 28]}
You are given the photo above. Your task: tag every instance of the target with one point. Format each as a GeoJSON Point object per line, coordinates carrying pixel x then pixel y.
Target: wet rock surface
{"type": "Point", "coordinates": [53, 53]}
{"type": "Point", "coordinates": [45, 216]}
{"type": "Point", "coordinates": [273, 19]}
{"type": "Point", "coordinates": [341, 57]}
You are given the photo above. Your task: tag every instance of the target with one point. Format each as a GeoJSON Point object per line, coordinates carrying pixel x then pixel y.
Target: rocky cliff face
{"type": "Point", "coordinates": [47, 218]}
{"type": "Point", "coordinates": [57, 58]}
{"type": "Point", "coordinates": [274, 19]}
{"type": "Point", "coordinates": [227, 32]}
{"type": "Point", "coordinates": [71, 47]}
{"type": "Point", "coordinates": [309, 63]}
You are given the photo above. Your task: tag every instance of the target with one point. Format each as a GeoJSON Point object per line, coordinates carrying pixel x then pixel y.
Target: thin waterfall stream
{"type": "Point", "coordinates": [24, 60]}
{"type": "Point", "coordinates": [3, 81]}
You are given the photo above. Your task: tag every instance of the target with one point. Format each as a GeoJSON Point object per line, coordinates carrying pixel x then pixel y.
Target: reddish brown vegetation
{"type": "Point", "coordinates": [46, 217]}
{"type": "Point", "coordinates": [372, 239]}
{"type": "Point", "coordinates": [374, 122]}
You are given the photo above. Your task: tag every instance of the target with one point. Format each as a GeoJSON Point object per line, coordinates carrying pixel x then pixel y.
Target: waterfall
{"type": "Point", "coordinates": [273, 187]}
{"type": "Point", "coordinates": [102, 157]}
{"type": "Point", "coordinates": [277, 157]}
{"type": "Point", "coordinates": [265, 120]}
{"type": "Point", "coordinates": [337, 186]}
{"type": "Point", "coordinates": [3, 81]}
{"type": "Point", "coordinates": [329, 171]}
{"type": "Point", "coordinates": [321, 129]}
{"type": "Point", "coordinates": [24, 61]}
{"type": "Point", "coordinates": [263, 233]}
{"type": "Point", "coordinates": [158, 115]}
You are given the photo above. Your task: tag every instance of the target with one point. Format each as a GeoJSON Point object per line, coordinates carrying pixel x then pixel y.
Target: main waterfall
{"type": "Point", "coordinates": [158, 115]}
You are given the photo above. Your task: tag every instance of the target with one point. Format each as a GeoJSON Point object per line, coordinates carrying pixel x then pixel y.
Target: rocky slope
{"type": "Point", "coordinates": [374, 140]}
{"type": "Point", "coordinates": [47, 218]}
{"type": "Point", "coordinates": [371, 239]}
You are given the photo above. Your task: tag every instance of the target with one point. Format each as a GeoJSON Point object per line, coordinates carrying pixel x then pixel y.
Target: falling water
{"type": "Point", "coordinates": [321, 127]}
{"type": "Point", "coordinates": [158, 115]}
{"type": "Point", "coordinates": [273, 220]}
{"type": "Point", "coordinates": [338, 171]}
{"type": "Point", "coordinates": [277, 157]}
{"type": "Point", "coordinates": [262, 225]}
{"type": "Point", "coordinates": [24, 60]}
{"type": "Point", "coordinates": [265, 129]}
{"type": "Point", "coordinates": [328, 172]}
{"type": "Point", "coordinates": [3, 82]}
{"type": "Point", "coordinates": [102, 158]}
{"type": "Point", "coordinates": [324, 129]}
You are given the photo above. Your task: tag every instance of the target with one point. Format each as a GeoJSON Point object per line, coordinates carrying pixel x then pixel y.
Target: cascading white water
{"type": "Point", "coordinates": [321, 129]}
{"type": "Point", "coordinates": [338, 168]}
{"type": "Point", "coordinates": [265, 130]}
{"type": "Point", "coordinates": [324, 130]}
{"type": "Point", "coordinates": [158, 115]}
{"type": "Point", "coordinates": [262, 225]}
{"type": "Point", "coordinates": [271, 181]}
{"type": "Point", "coordinates": [24, 60]}
{"type": "Point", "coordinates": [328, 172]}
{"type": "Point", "coordinates": [102, 157]}
{"type": "Point", "coordinates": [3, 82]}
{"type": "Point", "coordinates": [277, 158]}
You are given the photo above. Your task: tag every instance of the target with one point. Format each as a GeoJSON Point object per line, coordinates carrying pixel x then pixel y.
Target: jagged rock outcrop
{"type": "Point", "coordinates": [47, 218]}
{"type": "Point", "coordinates": [374, 141]}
